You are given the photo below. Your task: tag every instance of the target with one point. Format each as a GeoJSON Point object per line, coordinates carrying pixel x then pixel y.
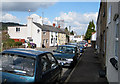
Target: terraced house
{"type": "Point", "coordinates": [38, 33]}
{"type": "Point", "coordinates": [108, 35]}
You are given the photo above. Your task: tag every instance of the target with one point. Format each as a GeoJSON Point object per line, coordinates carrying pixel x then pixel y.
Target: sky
{"type": "Point", "coordinates": [75, 15]}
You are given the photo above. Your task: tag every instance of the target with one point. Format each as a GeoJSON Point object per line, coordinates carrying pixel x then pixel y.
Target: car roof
{"type": "Point", "coordinates": [25, 52]}
{"type": "Point", "coordinates": [68, 45]}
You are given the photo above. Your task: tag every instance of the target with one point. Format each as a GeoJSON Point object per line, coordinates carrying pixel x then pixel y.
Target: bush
{"type": "Point", "coordinates": [18, 43]}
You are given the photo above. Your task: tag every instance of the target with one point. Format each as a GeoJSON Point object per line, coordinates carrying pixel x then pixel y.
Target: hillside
{"type": "Point", "coordinates": [4, 25]}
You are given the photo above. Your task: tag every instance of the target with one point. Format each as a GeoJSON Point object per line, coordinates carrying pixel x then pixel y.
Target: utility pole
{"type": "Point", "coordinates": [42, 17]}
{"type": "Point", "coordinates": [69, 29]}
{"type": "Point", "coordinates": [29, 12]}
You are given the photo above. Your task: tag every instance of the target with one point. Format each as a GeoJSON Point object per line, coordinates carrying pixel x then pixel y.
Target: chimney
{"type": "Point", "coordinates": [58, 26]}
{"type": "Point", "coordinates": [29, 26]}
{"type": "Point", "coordinates": [53, 24]}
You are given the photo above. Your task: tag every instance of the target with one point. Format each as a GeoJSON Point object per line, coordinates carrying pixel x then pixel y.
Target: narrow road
{"type": "Point", "coordinates": [87, 70]}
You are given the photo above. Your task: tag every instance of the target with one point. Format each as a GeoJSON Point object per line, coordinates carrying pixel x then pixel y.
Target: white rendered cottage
{"type": "Point", "coordinates": [31, 32]}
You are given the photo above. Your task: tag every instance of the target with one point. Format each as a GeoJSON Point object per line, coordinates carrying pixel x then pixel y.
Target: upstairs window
{"type": "Point", "coordinates": [17, 29]}
{"type": "Point", "coordinates": [38, 31]}
{"type": "Point", "coordinates": [44, 32]}
{"type": "Point", "coordinates": [56, 39]}
{"type": "Point", "coordinates": [109, 14]}
{"type": "Point", "coordinates": [116, 38]}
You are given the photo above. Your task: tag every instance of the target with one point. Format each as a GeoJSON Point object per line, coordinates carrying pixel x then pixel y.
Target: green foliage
{"type": "Point", "coordinates": [90, 29]}
{"type": "Point", "coordinates": [72, 33]}
{"type": "Point", "coordinates": [29, 46]}
{"type": "Point", "coordinates": [18, 43]}
{"type": "Point", "coordinates": [8, 43]}
{"type": "Point", "coordinates": [66, 29]}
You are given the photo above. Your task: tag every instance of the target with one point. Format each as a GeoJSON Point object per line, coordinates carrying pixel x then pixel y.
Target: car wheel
{"type": "Point", "coordinates": [72, 65]}
{"type": "Point", "coordinates": [58, 81]}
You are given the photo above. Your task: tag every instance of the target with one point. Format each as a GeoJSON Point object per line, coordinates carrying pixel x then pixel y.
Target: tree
{"type": "Point", "coordinates": [90, 29]}
{"type": "Point", "coordinates": [72, 33]}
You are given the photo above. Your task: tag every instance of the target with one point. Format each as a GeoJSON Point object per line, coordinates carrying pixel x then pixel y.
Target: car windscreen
{"type": "Point", "coordinates": [17, 64]}
{"type": "Point", "coordinates": [66, 49]}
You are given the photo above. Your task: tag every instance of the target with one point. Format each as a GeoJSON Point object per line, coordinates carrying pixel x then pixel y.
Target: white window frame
{"type": "Point", "coordinates": [116, 38]}
{"type": "Point", "coordinates": [47, 41]}
{"type": "Point", "coordinates": [17, 29]}
{"type": "Point", "coordinates": [109, 14]}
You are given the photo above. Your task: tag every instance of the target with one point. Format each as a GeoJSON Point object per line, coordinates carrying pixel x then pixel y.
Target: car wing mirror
{"type": "Point", "coordinates": [54, 50]}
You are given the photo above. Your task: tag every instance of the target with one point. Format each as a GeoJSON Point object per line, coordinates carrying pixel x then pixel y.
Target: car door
{"type": "Point", "coordinates": [55, 68]}
{"type": "Point", "coordinates": [46, 69]}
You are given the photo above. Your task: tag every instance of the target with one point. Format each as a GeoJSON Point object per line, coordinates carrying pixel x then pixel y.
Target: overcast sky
{"type": "Point", "coordinates": [74, 14]}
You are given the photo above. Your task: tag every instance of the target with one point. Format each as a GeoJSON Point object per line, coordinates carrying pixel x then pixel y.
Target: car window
{"type": "Point", "coordinates": [45, 63]}
{"type": "Point", "coordinates": [18, 64]}
{"type": "Point", "coordinates": [52, 60]}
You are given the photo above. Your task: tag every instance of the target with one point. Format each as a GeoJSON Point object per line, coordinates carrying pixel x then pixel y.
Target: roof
{"type": "Point", "coordinates": [48, 28]}
{"type": "Point", "coordinates": [68, 45]}
{"type": "Point", "coordinates": [25, 51]}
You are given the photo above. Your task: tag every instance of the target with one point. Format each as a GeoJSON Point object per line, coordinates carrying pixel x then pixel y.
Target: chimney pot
{"type": "Point", "coordinates": [53, 24]}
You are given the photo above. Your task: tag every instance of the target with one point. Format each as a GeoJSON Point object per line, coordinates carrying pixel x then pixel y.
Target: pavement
{"type": "Point", "coordinates": [87, 69]}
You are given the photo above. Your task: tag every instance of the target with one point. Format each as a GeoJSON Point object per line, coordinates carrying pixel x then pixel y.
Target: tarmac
{"type": "Point", "coordinates": [87, 69]}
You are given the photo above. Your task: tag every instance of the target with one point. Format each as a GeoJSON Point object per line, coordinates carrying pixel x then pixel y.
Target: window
{"type": "Point", "coordinates": [44, 32]}
{"type": "Point", "coordinates": [38, 31]}
{"type": "Point", "coordinates": [56, 39]}
{"type": "Point", "coordinates": [116, 38]}
{"type": "Point", "coordinates": [51, 38]}
{"type": "Point", "coordinates": [52, 60]}
{"type": "Point", "coordinates": [104, 40]}
{"type": "Point", "coordinates": [17, 29]}
{"type": "Point", "coordinates": [47, 41]}
{"type": "Point", "coordinates": [109, 14]}
{"type": "Point", "coordinates": [44, 42]}
{"type": "Point", "coordinates": [22, 65]}
{"type": "Point", "coordinates": [45, 63]}
{"type": "Point", "coordinates": [56, 33]}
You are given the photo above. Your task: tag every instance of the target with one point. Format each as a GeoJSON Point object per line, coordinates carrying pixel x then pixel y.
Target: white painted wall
{"type": "Point", "coordinates": [17, 35]}
{"type": "Point", "coordinates": [29, 27]}
{"type": "Point", "coordinates": [37, 37]}
{"type": "Point", "coordinates": [54, 39]}
{"type": "Point", "coordinates": [27, 31]}
{"type": "Point", "coordinates": [72, 38]}
{"type": "Point", "coordinates": [93, 38]}
{"type": "Point", "coordinates": [112, 73]}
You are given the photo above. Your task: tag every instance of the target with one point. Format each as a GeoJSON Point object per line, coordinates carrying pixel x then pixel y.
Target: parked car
{"type": "Point", "coordinates": [84, 43]}
{"type": "Point", "coordinates": [33, 45]}
{"type": "Point", "coordinates": [28, 65]}
{"type": "Point", "coordinates": [66, 55]}
{"type": "Point", "coordinates": [78, 48]}
{"type": "Point", "coordinates": [81, 48]}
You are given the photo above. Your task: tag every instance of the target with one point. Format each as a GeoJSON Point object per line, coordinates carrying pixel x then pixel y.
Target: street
{"type": "Point", "coordinates": [86, 70]}
{"type": "Point", "coordinates": [66, 71]}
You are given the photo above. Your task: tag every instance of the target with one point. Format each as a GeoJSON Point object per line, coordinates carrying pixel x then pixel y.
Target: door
{"type": "Point", "coordinates": [46, 69]}
{"type": "Point", "coordinates": [54, 67]}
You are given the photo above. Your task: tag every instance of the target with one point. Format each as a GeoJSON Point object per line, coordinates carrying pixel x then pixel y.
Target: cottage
{"type": "Point", "coordinates": [40, 34]}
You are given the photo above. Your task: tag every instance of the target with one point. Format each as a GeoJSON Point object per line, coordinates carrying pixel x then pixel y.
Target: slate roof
{"type": "Point", "coordinates": [25, 52]}
{"type": "Point", "coordinates": [49, 28]}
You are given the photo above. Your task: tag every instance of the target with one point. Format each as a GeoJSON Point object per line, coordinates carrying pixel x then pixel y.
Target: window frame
{"type": "Point", "coordinates": [17, 29]}
{"type": "Point", "coordinates": [46, 61]}
{"type": "Point", "coordinates": [116, 38]}
{"type": "Point", "coordinates": [44, 32]}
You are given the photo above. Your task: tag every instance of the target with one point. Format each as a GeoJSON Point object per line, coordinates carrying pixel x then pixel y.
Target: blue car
{"type": "Point", "coordinates": [66, 55]}
{"type": "Point", "coordinates": [29, 66]}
